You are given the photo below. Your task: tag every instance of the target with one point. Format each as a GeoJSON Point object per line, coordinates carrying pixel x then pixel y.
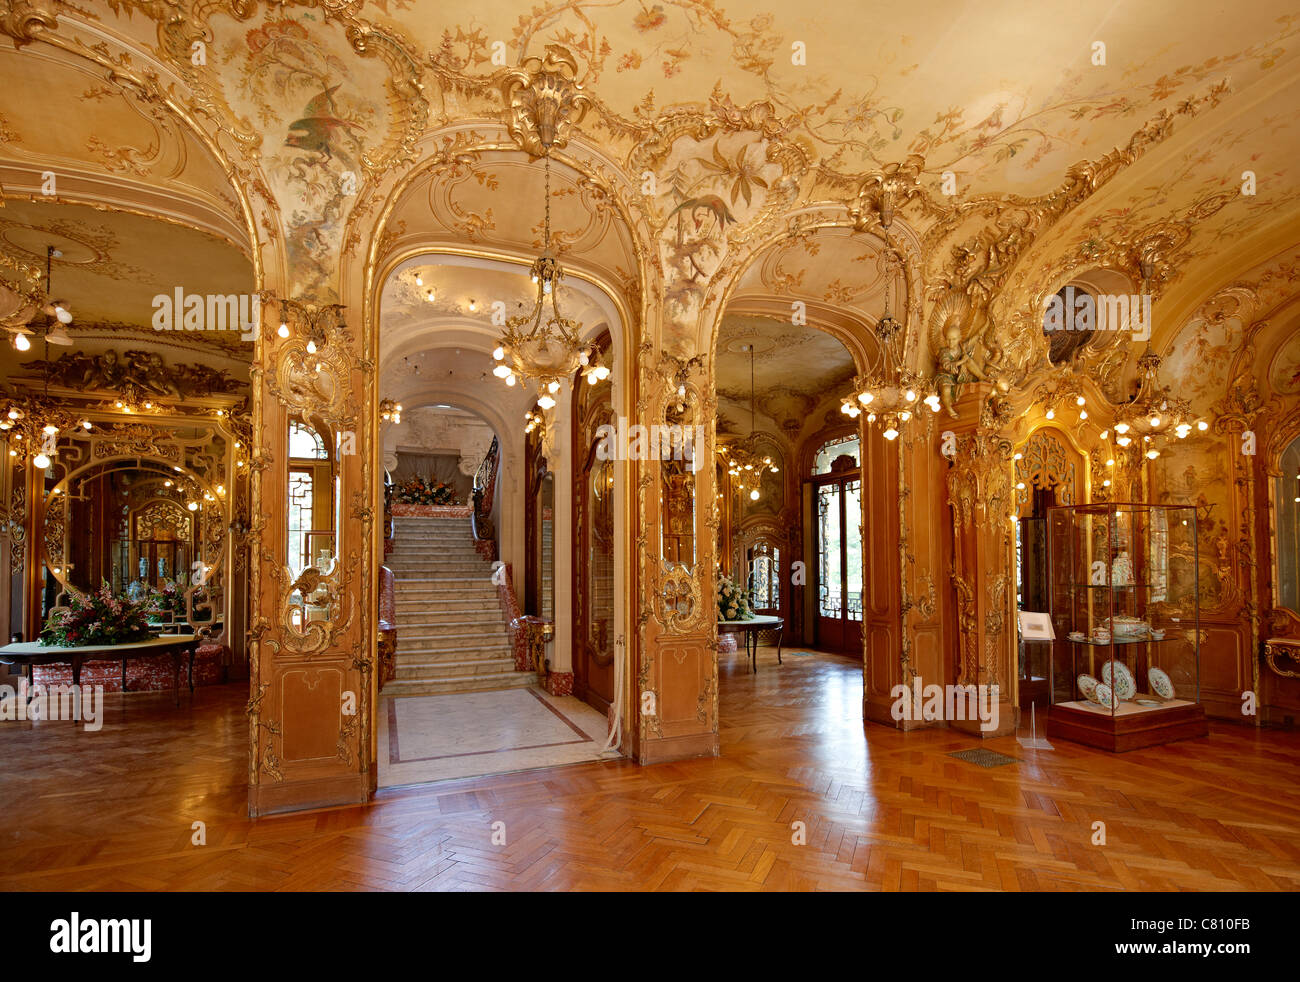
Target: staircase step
{"type": "Point", "coordinates": [460, 683]}
{"type": "Point", "coordinates": [452, 669]}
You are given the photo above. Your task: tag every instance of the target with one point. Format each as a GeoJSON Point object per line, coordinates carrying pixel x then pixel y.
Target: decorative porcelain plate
{"type": "Point", "coordinates": [1087, 685]}
{"type": "Point", "coordinates": [1160, 683]}
{"type": "Point", "coordinates": [1117, 675]}
{"type": "Point", "coordinates": [1103, 696]}
{"type": "Point", "coordinates": [1148, 702]}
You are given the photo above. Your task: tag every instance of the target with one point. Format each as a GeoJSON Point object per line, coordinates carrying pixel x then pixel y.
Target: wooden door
{"type": "Point", "coordinates": [837, 531]}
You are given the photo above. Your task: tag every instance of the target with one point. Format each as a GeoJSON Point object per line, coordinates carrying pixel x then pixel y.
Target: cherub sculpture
{"type": "Point", "coordinates": [956, 365]}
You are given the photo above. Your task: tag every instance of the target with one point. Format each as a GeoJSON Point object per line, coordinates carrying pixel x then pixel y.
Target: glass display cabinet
{"type": "Point", "coordinates": [1125, 606]}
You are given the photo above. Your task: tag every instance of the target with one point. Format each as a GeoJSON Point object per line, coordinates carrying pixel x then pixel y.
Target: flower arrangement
{"type": "Point", "coordinates": [423, 491]}
{"type": "Point", "coordinates": [733, 602]}
{"type": "Point", "coordinates": [170, 599]}
{"type": "Point", "coordinates": [98, 618]}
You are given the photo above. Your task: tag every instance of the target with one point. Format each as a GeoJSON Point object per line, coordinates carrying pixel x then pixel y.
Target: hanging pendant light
{"type": "Point", "coordinates": [541, 346]}
{"type": "Point", "coordinates": [744, 459]}
{"type": "Point", "coordinates": [889, 394]}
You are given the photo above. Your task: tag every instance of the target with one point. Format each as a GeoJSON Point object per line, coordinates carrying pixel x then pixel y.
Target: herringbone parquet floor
{"type": "Point", "coordinates": [880, 810]}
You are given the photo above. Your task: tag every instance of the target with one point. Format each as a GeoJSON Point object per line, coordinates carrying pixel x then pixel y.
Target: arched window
{"type": "Point", "coordinates": [841, 446]}
{"type": "Point", "coordinates": [305, 443]}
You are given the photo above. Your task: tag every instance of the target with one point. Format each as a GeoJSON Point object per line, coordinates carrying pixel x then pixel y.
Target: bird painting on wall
{"type": "Point", "coordinates": [700, 208]}
{"type": "Point", "coordinates": [317, 131]}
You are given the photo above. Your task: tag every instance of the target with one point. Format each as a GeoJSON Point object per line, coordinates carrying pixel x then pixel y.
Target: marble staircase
{"type": "Point", "coordinates": [450, 633]}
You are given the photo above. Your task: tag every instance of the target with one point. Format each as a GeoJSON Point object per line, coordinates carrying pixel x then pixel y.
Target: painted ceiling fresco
{"type": "Point", "coordinates": [1029, 144]}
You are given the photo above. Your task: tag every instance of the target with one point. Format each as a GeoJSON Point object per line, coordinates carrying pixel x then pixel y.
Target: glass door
{"type": "Point", "coordinates": [838, 518]}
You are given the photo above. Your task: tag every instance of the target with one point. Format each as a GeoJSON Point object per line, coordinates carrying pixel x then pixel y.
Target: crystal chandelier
{"type": "Point", "coordinates": [541, 347]}
{"type": "Point", "coordinates": [1154, 412]}
{"type": "Point", "coordinates": [889, 394]}
{"type": "Point", "coordinates": [743, 459]}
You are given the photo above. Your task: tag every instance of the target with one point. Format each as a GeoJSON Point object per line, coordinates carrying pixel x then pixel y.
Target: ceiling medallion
{"type": "Point", "coordinates": [889, 394]}
{"type": "Point", "coordinates": [1154, 412]}
{"type": "Point", "coordinates": [544, 347]}
{"type": "Point", "coordinates": [744, 460]}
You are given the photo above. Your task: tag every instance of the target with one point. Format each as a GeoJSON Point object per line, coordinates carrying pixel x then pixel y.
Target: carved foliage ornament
{"type": "Point", "coordinates": [543, 101]}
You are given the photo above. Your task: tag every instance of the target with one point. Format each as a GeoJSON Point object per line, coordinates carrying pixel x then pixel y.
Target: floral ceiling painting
{"type": "Point", "coordinates": [313, 102]}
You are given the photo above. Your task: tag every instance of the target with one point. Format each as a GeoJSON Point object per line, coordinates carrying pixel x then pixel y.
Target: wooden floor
{"type": "Point", "coordinates": [882, 810]}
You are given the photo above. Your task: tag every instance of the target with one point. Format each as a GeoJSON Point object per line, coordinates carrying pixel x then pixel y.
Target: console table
{"type": "Point", "coordinates": [29, 654]}
{"type": "Point", "coordinates": [749, 629]}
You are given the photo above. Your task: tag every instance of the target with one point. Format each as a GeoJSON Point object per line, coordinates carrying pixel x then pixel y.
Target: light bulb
{"type": "Point", "coordinates": [546, 402]}
{"type": "Point", "coordinates": [41, 461]}
{"type": "Point", "coordinates": [63, 314]}
{"type": "Point", "coordinates": [909, 395]}
{"type": "Point", "coordinates": [553, 388]}
{"type": "Point", "coordinates": [1202, 425]}
{"type": "Point", "coordinates": [1105, 484]}
{"type": "Point", "coordinates": [1121, 427]}
{"type": "Point", "coordinates": [1105, 434]}
{"type": "Point", "coordinates": [473, 306]}
{"type": "Point", "coordinates": [753, 495]}
{"type": "Point", "coordinates": [431, 296]}
{"type": "Point", "coordinates": [14, 414]}
{"type": "Point", "coordinates": [501, 371]}
{"type": "Point", "coordinates": [21, 342]}
{"type": "Point", "coordinates": [1020, 486]}
{"type": "Point", "coordinates": [890, 433]}
{"type": "Point", "coordinates": [1083, 414]}
{"type": "Point", "coordinates": [1154, 421]}
{"type": "Point", "coordinates": [50, 429]}
{"type": "Point", "coordinates": [193, 506]}
{"type": "Point", "coordinates": [591, 378]}
{"type": "Point", "coordinates": [1051, 414]}
{"type": "Point", "coordinates": [282, 330]}
{"type": "Point", "coordinates": [510, 379]}
{"type": "Point", "coordinates": [681, 391]}
{"type": "Point", "coordinates": [1152, 454]}
{"type": "Point", "coordinates": [311, 347]}
{"type": "Point", "coordinates": [866, 397]}
{"type": "Point", "coordinates": [602, 373]}
{"type": "Point", "coordinates": [871, 417]}
{"type": "Point", "coordinates": [546, 286]}
{"type": "Point", "coordinates": [1110, 462]}
{"type": "Point", "coordinates": [498, 353]}
{"type": "Point", "coordinates": [1018, 456]}
{"type": "Point", "coordinates": [419, 280]}
{"type": "Point", "coordinates": [1080, 401]}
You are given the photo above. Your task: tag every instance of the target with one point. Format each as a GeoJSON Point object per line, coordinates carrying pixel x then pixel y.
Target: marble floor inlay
{"type": "Point", "coordinates": [467, 734]}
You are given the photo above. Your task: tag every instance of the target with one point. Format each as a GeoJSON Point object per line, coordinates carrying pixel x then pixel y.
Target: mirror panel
{"type": "Point", "coordinates": [677, 499]}
{"type": "Point", "coordinates": [1286, 496]}
{"type": "Point", "coordinates": [312, 519]}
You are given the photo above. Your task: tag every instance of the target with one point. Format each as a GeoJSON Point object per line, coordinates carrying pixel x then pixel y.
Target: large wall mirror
{"type": "Point", "coordinates": [1286, 495]}
{"type": "Point", "coordinates": [149, 529]}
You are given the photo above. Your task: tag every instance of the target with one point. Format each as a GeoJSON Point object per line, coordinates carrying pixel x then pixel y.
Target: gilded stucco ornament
{"type": "Point", "coordinates": [25, 22]}
{"type": "Point", "coordinates": [544, 101]}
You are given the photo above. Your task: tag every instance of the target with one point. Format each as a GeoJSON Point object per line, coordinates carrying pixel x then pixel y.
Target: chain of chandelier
{"type": "Point", "coordinates": [543, 347]}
